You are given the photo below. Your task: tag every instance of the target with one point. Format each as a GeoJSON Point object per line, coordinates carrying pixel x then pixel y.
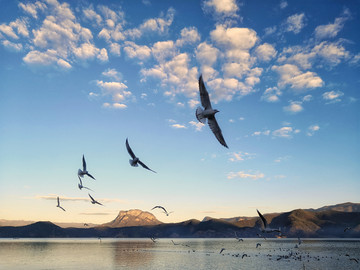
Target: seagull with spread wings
{"type": "Point", "coordinates": [208, 113]}
{"type": "Point", "coordinates": [80, 185]}
{"type": "Point", "coordinates": [165, 212]}
{"type": "Point", "coordinates": [93, 201]}
{"type": "Point", "coordinates": [58, 204]}
{"type": "Point", "coordinates": [135, 160]}
{"type": "Point", "coordinates": [266, 226]}
{"type": "Point", "coordinates": [83, 172]}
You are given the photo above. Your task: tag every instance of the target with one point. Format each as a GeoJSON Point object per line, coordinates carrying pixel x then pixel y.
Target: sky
{"type": "Point", "coordinates": [79, 77]}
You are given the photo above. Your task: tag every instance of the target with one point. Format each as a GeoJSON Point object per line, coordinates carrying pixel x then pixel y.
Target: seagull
{"type": "Point", "coordinates": [153, 239]}
{"type": "Point", "coordinates": [237, 237]}
{"type": "Point", "coordinates": [135, 160]}
{"type": "Point", "coordinates": [165, 212]}
{"type": "Point", "coordinates": [93, 201]}
{"type": "Point", "coordinates": [299, 241]}
{"type": "Point", "coordinates": [257, 245]}
{"type": "Point", "coordinates": [266, 228]}
{"type": "Point", "coordinates": [222, 250]}
{"type": "Point", "coordinates": [58, 205]}
{"type": "Point", "coordinates": [83, 172]}
{"type": "Point", "coordinates": [355, 260]}
{"type": "Point", "coordinates": [244, 255]}
{"type": "Point", "coordinates": [175, 244]}
{"type": "Point", "coordinates": [80, 185]}
{"type": "Point", "coordinates": [208, 113]}
{"type": "Point", "coordinates": [347, 228]}
{"type": "Point", "coordinates": [85, 224]}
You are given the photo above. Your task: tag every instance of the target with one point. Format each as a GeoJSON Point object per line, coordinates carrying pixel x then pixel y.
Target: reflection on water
{"type": "Point", "coordinates": [182, 254]}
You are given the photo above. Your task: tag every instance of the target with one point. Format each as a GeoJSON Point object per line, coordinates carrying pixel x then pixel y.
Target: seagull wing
{"type": "Point", "coordinates": [131, 153]}
{"type": "Point", "coordinates": [144, 166]}
{"type": "Point", "coordinates": [58, 201]}
{"type": "Point", "coordinates": [62, 208]}
{"type": "Point", "coordinates": [84, 164]}
{"type": "Point", "coordinates": [87, 188]}
{"type": "Point", "coordinates": [99, 203]}
{"type": "Point", "coordinates": [88, 174]}
{"type": "Point", "coordinates": [80, 180]}
{"type": "Point", "coordinates": [214, 126]}
{"type": "Point", "coordinates": [158, 206]}
{"type": "Point", "coordinates": [91, 197]}
{"type": "Point", "coordinates": [262, 218]}
{"type": "Point", "coordinates": [204, 95]}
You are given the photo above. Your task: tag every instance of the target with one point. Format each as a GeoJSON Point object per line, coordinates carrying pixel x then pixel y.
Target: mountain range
{"type": "Point", "coordinates": [321, 222]}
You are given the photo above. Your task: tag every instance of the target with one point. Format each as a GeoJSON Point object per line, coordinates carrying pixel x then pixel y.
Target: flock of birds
{"type": "Point", "coordinates": [203, 115]}
{"type": "Point", "coordinates": [207, 113]}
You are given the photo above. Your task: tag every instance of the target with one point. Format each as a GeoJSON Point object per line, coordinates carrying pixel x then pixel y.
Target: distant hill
{"type": "Point", "coordinates": [4, 222]}
{"type": "Point", "coordinates": [342, 207]}
{"type": "Point", "coordinates": [131, 218]}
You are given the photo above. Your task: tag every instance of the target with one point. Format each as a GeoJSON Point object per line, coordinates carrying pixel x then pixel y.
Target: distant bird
{"type": "Point", "coordinates": [237, 237]}
{"type": "Point", "coordinates": [83, 172]}
{"type": "Point", "coordinates": [299, 241]}
{"type": "Point", "coordinates": [266, 227]}
{"type": "Point", "coordinates": [261, 236]}
{"type": "Point", "coordinates": [93, 201]}
{"type": "Point", "coordinates": [258, 245]}
{"type": "Point", "coordinates": [80, 185]}
{"type": "Point", "coordinates": [244, 255]}
{"type": "Point", "coordinates": [135, 160]}
{"type": "Point", "coordinates": [222, 250]}
{"type": "Point", "coordinates": [165, 212]}
{"type": "Point", "coordinates": [208, 113]}
{"type": "Point", "coordinates": [153, 239]}
{"type": "Point", "coordinates": [175, 244]}
{"type": "Point", "coordinates": [347, 228]}
{"type": "Point", "coordinates": [58, 204]}
{"type": "Point", "coordinates": [85, 224]}
{"type": "Point", "coordinates": [355, 260]}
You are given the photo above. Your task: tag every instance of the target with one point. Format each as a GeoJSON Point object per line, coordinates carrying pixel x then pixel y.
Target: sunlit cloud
{"type": "Point", "coordinates": [240, 156]}
{"type": "Point", "coordinates": [197, 125]}
{"type": "Point", "coordinates": [312, 129]}
{"type": "Point", "coordinates": [295, 23]}
{"type": "Point", "coordinates": [241, 174]}
{"type": "Point", "coordinates": [332, 96]}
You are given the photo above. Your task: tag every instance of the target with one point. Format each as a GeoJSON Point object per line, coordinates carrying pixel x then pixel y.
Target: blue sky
{"type": "Point", "coordinates": [80, 77]}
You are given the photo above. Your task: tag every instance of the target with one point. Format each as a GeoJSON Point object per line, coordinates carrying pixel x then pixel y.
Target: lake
{"type": "Point", "coordinates": [180, 254]}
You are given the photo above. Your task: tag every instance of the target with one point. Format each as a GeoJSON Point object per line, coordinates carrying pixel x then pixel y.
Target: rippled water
{"type": "Point", "coordinates": [186, 254]}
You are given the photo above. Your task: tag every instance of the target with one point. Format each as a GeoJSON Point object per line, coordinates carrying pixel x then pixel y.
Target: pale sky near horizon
{"type": "Point", "coordinates": [79, 77]}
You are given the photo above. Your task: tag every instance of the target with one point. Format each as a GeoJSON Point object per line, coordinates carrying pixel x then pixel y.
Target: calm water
{"type": "Point", "coordinates": [186, 254]}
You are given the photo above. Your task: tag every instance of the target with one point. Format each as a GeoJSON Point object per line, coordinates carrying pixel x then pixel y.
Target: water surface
{"type": "Point", "coordinates": [185, 254]}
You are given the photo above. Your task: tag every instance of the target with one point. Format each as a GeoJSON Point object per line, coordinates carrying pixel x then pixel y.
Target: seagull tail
{"type": "Point", "coordinates": [200, 116]}
{"type": "Point", "coordinates": [132, 163]}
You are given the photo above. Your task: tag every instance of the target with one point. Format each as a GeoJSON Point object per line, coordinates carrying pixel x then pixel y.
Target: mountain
{"type": "Point", "coordinates": [4, 222]}
{"type": "Point", "coordinates": [136, 223]}
{"type": "Point", "coordinates": [132, 218]}
{"type": "Point", "coordinates": [343, 207]}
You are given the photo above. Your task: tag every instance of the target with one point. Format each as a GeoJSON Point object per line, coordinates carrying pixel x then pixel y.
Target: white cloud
{"type": "Point", "coordinates": [12, 46]}
{"type": "Point", "coordinates": [178, 126]}
{"type": "Point", "coordinates": [332, 96]}
{"type": "Point", "coordinates": [8, 30]}
{"type": "Point", "coordinates": [197, 125]}
{"type": "Point", "coordinates": [294, 107]}
{"type": "Point", "coordinates": [133, 50]}
{"type": "Point", "coordinates": [265, 52]}
{"type": "Point", "coordinates": [189, 35]}
{"type": "Point", "coordinates": [112, 73]}
{"type": "Point", "coordinates": [226, 8]}
{"type": "Point", "coordinates": [240, 156]}
{"type": "Point", "coordinates": [283, 4]}
{"type": "Point", "coordinates": [91, 15]}
{"type": "Point", "coordinates": [291, 75]}
{"type": "Point", "coordinates": [331, 53]}
{"type": "Point", "coordinates": [284, 132]}
{"type": "Point", "coordinates": [312, 129]}
{"type": "Point", "coordinates": [206, 54]}
{"type": "Point", "coordinates": [332, 29]}
{"type": "Point", "coordinates": [295, 23]}
{"type": "Point", "coordinates": [33, 9]}
{"type": "Point", "coordinates": [242, 174]}
{"type": "Point", "coordinates": [271, 94]}
{"type": "Point", "coordinates": [258, 133]}
{"type": "Point", "coordinates": [114, 105]}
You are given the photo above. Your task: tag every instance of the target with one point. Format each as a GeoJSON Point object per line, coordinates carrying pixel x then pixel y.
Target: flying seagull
{"type": "Point", "coordinates": [58, 205]}
{"type": "Point", "coordinates": [135, 160]}
{"type": "Point", "coordinates": [153, 239]}
{"type": "Point", "coordinates": [165, 212]}
{"type": "Point", "coordinates": [80, 185]}
{"type": "Point", "coordinates": [93, 201]}
{"type": "Point", "coordinates": [208, 113]}
{"type": "Point", "coordinates": [237, 237]}
{"type": "Point", "coordinates": [347, 228]}
{"type": "Point", "coordinates": [258, 245]}
{"type": "Point", "coordinates": [266, 228]}
{"type": "Point", "coordinates": [83, 172]}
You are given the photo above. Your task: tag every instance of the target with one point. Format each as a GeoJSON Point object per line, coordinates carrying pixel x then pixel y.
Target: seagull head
{"type": "Point", "coordinates": [216, 111]}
